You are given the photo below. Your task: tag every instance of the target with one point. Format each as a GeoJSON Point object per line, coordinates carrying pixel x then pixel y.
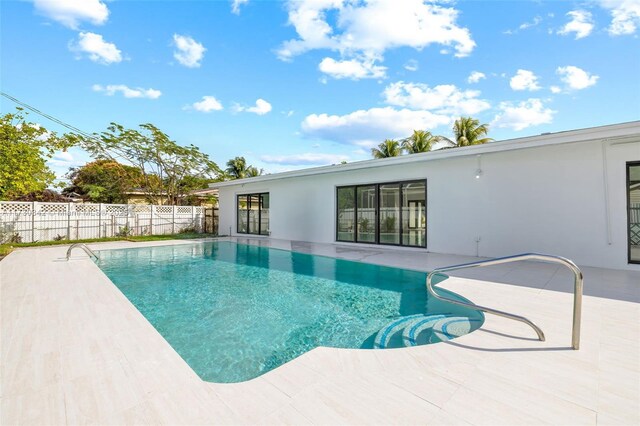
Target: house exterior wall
{"type": "Point", "coordinates": [567, 199]}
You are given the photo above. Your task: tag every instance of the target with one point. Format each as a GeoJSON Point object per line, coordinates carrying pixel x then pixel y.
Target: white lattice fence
{"type": "Point", "coordinates": [33, 221]}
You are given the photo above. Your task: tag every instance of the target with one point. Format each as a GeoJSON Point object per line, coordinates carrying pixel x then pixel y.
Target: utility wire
{"type": "Point", "coordinates": [47, 116]}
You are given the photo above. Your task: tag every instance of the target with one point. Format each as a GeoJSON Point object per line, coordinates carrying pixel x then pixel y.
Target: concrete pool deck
{"type": "Point", "coordinates": [74, 350]}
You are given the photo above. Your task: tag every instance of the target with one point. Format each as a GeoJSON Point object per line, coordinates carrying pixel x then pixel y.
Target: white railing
{"type": "Point", "coordinates": [34, 221]}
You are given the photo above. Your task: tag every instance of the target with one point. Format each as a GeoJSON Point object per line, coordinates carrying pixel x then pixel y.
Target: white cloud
{"type": "Point", "coordinates": [207, 104]}
{"type": "Point", "coordinates": [188, 51]}
{"type": "Point", "coordinates": [98, 50]}
{"type": "Point", "coordinates": [442, 99]}
{"type": "Point", "coordinates": [524, 80]}
{"type": "Point", "coordinates": [353, 69]}
{"type": "Point", "coordinates": [525, 25]}
{"type": "Point", "coordinates": [531, 112]}
{"type": "Point", "coordinates": [411, 65]}
{"type": "Point", "coordinates": [625, 16]}
{"type": "Point", "coordinates": [235, 5]}
{"type": "Point", "coordinates": [369, 127]}
{"type": "Point", "coordinates": [576, 78]}
{"type": "Point", "coordinates": [367, 29]}
{"type": "Point", "coordinates": [581, 24]}
{"type": "Point", "coordinates": [127, 92]}
{"type": "Point", "coordinates": [71, 12]}
{"type": "Point", "coordinates": [307, 159]}
{"type": "Point", "coordinates": [64, 160]}
{"type": "Point", "coordinates": [555, 89]}
{"type": "Point", "coordinates": [262, 107]}
{"type": "Point", "coordinates": [534, 23]}
{"type": "Point", "coordinates": [475, 77]}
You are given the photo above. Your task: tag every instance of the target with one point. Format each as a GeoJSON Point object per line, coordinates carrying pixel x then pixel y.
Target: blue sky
{"type": "Point", "coordinates": [304, 83]}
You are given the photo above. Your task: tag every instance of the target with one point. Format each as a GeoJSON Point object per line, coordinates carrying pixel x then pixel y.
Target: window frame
{"type": "Point", "coordinates": [249, 196]}
{"type": "Point", "coordinates": [377, 186]}
{"type": "Point", "coordinates": [629, 165]}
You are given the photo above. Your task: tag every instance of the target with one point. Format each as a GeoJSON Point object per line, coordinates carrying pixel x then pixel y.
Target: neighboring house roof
{"type": "Point", "coordinates": [608, 132]}
{"type": "Point", "coordinates": [139, 191]}
{"type": "Point", "coordinates": [206, 192]}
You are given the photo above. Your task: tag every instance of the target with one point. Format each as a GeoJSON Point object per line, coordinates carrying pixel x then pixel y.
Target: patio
{"type": "Point", "coordinates": [75, 350]}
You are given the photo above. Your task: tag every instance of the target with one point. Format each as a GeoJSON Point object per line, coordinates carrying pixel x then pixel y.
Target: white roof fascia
{"type": "Point", "coordinates": [609, 132]}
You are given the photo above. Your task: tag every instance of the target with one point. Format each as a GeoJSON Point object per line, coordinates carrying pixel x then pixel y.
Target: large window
{"type": "Point", "coordinates": [253, 214]}
{"type": "Point", "coordinates": [387, 213]}
{"type": "Point", "coordinates": [633, 206]}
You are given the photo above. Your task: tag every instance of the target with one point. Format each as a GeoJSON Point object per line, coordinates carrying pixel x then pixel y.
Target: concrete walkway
{"type": "Point", "coordinates": [75, 351]}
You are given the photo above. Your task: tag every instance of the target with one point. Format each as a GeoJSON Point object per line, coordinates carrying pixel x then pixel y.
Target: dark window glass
{"type": "Point", "coordinates": [253, 214]}
{"type": "Point", "coordinates": [346, 214]}
{"type": "Point", "coordinates": [242, 213]}
{"type": "Point", "coordinates": [366, 214]}
{"type": "Point", "coordinates": [414, 218]}
{"type": "Point", "coordinates": [264, 214]}
{"type": "Point", "coordinates": [633, 191]}
{"type": "Point", "coordinates": [385, 213]}
{"type": "Point", "coordinates": [389, 214]}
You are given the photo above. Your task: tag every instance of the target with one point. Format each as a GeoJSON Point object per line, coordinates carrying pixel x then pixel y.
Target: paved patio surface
{"type": "Point", "coordinates": [74, 350]}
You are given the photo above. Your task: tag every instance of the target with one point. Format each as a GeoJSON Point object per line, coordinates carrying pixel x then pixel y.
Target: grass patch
{"type": "Point", "coordinates": [5, 249]}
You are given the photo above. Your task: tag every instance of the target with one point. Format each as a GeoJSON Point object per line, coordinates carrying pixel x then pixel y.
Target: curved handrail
{"type": "Point", "coordinates": [84, 247]}
{"type": "Point", "coordinates": [577, 291]}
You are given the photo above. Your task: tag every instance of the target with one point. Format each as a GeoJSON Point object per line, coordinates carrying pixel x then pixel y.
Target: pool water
{"type": "Point", "coordinates": [235, 311]}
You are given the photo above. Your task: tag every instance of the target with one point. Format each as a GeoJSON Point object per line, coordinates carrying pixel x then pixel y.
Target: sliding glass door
{"type": "Point", "coordinates": [253, 214]}
{"type": "Point", "coordinates": [346, 214]}
{"type": "Point", "coordinates": [414, 214]}
{"type": "Point", "coordinates": [391, 213]}
{"type": "Point", "coordinates": [367, 202]}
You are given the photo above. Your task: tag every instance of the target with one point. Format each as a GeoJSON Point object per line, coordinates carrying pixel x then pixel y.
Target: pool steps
{"type": "Point", "coordinates": [441, 327]}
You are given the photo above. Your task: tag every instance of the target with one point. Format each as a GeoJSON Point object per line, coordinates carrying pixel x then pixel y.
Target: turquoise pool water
{"type": "Point", "coordinates": [235, 311]}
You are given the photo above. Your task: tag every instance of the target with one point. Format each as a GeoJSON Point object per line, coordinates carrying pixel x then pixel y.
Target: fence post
{"type": "Point", "coordinates": [100, 221]}
{"type": "Point", "coordinates": [68, 220]}
{"type": "Point", "coordinates": [33, 221]}
{"type": "Point", "coordinates": [151, 220]}
{"type": "Point", "coordinates": [128, 218]}
{"type": "Point", "coordinates": [193, 218]}
{"type": "Point", "coordinates": [173, 220]}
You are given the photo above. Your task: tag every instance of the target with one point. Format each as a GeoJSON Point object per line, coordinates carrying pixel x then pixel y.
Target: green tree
{"type": "Point", "coordinates": [254, 171]}
{"type": "Point", "coordinates": [24, 150]}
{"type": "Point", "coordinates": [388, 148]}
{"type": "Point", "coordinates": [419, 141]}
{"type": "Point", "coordinates": [468, 131]}
{"type": "Point", "coordinates": [193, 183]}
{"type": "Point", "coordinates": [104, 181]}
{"type": "Point", "coordinates": [162, 162]}
{"type": "Point", "coordinates": [237, 168]}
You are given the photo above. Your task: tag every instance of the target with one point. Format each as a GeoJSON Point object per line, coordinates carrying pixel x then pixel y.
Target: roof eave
{"type": "Point", "coordinates": [614, 131]}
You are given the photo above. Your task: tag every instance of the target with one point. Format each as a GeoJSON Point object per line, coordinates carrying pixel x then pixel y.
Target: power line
{"type": "Point", "coordinates": [47, 116]}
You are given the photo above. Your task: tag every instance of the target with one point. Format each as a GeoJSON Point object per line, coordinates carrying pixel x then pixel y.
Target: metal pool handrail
{"type": "Point", "coordinates": [84, 247]}
{"type": "Point", "coordinates": [577, 290]}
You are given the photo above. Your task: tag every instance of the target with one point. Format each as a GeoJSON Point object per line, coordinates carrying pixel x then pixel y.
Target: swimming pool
{"type": "Point", "coordinates": [235, 311]}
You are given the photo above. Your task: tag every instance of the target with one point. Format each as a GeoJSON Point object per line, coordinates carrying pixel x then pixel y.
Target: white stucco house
{"type": "Point", "coordinates": [574, 194]}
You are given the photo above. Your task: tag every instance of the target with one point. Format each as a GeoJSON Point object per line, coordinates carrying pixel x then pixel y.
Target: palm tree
{"type": "Point", "coordinates": [419, 141]}
{"type": "Point", "coordinates": [253, 172]}
{"type": "Point", "coordinates": [237, 168]}
{"type": "Point", "coordinates": [388, 148]}
{"type": "Point", "coordinates": [468, 131]}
